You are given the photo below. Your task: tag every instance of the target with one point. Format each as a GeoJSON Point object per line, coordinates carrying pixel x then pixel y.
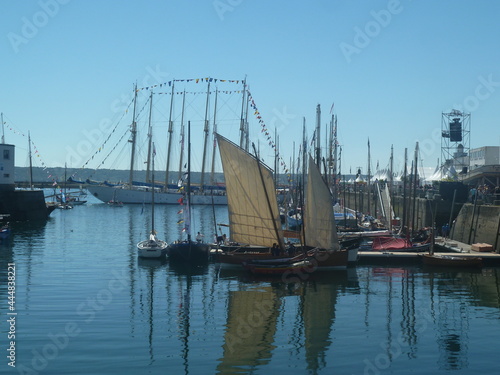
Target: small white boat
{"type": "Point", "coordinates": [153, 247]}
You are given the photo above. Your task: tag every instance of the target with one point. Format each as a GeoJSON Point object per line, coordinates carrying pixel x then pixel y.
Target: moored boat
{"type": "Point", "coordinates": [451, 260]}
{"type": "Point", "coordinates": [153, 247]}
{"type": "Point", "coordinates": [320, 230]}
{"type": "Point", "coordinates": [396, 244]}
{"type": "Point", "coordinates": [279, 268]}
{"type": "Point", "coordinates": [254, 218]}
{"type": "Point", "coordinates": [5, 231]}
{"type": "Point", "coordinates": [188, 251]}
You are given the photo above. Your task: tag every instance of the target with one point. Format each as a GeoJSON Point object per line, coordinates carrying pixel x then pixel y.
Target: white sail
{"type": "Point", "coordinates": [319, 222]}
{"type": "Point", "coordinates": [253, 218]}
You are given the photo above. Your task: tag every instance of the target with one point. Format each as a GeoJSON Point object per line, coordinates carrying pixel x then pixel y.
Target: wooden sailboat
{"type": "Point", "coordinates": [152, 247]}
{"type": "Point", "coordinates": [254, 218]}
{"type": "Point", "coordinates": [320, 231]}
{"type": "Point", "coordinates": [446, 260]}
{"type": "Point", "coordinates": [449, 260]}
{"type": "Point", "coordinates": [189, 251]}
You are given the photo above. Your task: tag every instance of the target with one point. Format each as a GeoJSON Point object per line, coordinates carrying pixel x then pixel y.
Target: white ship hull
{"type": "Point", "coordinates": [108, 193]}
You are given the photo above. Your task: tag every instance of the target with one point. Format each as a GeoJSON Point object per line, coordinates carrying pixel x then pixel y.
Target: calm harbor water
{"type": "Point", "coordinates": [86, 304]}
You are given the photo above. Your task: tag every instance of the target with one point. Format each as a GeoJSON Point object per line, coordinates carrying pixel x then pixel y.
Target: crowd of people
{"type": "Point", "coordinates": [485, 193]}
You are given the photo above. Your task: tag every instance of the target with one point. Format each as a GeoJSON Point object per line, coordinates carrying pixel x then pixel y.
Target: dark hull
{"type": "Point", "coordinates": [325, 260]}
{"type": "Point", "coordinates": [278, 268]}
{"type": "Point", "coordinates": [451, 261]}
{"type": "Point", "coordinates": [237, 258]}
{"type": "Point", "coordinates": [320, 259]}
{"type": "Point", "coordinates": [188, 252]}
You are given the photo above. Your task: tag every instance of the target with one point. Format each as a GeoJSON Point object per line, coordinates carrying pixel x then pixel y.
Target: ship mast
{"type": "Point", "coordinates": [334, 169]}
{"type": "Point", "coordinates": [214, 131]}
{"type": "Point", "coordinates": [150, 136]}
{"type": "Point", "coordinates": [318, 136]}
{"type": "Point", "coordinates": [133, 131]}
{"type": "Point", "coordinates": [29, 156]}
{"type": "Point", "coordinates": [182, 134]}
{"type": "Point", "coordinates": [170, 134]}
{"type": "Point", "coordinates": [243, 130]}
{"type": "Point", "coordinates": [391, 186]}
{"type": "Point", "coordinates": [3, 129]}
{"type": "Point", "coordinates": [205, 139]}
{"type": "Point", "coordinates": [247, 129]}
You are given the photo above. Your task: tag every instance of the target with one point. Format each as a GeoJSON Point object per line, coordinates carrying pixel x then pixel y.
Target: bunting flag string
{"type": "Point", "coordinates": [103, 144]}
{"type": "Point", "coordinates": [37, 154]}
{"type": "Point", "coordinates": [267, 134]}
{"type": "Point", "coordinates": [201, 92]}
{"type": "Point", "coordinates": [196, 80]}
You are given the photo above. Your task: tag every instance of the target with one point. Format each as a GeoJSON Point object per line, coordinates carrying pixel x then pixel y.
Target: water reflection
{"type": "Point", "coordinates": [259, 303]}
{"type": "Point", "coordinates": [446, 309]}
{"type": "Point", "coordinates": [146, 298]}
{"type": "Point", "coordinates": [180, 318]}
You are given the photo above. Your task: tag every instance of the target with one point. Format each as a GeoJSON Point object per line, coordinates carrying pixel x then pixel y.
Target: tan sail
{"type": "Point", "coordinates": [253, 220]}
{"type": "Point", "coordinates": [319, 221]}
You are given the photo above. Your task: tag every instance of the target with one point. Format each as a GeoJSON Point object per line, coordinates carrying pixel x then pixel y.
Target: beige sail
{"type": "Point", "coordinates": [319, 221]}
{"type": "Point", "coordinates": [250, 215]}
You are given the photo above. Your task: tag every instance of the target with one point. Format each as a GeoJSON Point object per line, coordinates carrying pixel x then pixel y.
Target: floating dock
{"type": "Point", "coordinates": [442, 246]}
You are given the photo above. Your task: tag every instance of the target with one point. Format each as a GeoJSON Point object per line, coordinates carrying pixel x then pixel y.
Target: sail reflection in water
{"type": "Point", "coordinates": [250, 329]}
{"type": "Point", "coordinates": [259, 317]}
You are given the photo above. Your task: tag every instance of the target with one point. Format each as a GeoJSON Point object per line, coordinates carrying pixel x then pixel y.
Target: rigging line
{"type": "Point", "coordinates": [105, 141]}
{"type": "Point", "coordinates": [107, 156]}
{"type": "Point", "coordinates": [268, 137]}
{"type": "Point", "coordinates": [142, 109]}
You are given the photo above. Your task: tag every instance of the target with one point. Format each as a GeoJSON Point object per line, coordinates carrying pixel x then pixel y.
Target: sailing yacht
{"type": "Point", "coordinates": [152, 247]}
{"type": "Point", "coordinates": [189, 251]}
{"type": "Point", "coordinates": [138, 191]}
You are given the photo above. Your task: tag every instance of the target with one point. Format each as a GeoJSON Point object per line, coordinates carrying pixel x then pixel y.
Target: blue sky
{"type": "Point", "coordinates": [391, 68]}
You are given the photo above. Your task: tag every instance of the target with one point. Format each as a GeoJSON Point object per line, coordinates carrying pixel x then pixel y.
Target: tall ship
{"type": "Point", "coordinates": [207, 191]}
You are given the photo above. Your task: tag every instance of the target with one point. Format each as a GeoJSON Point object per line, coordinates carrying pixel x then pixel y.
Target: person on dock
{"type": "Point", "coordinates": [445, 230]}
{"type": "Point", "coordinates": [275, 250]}
{"type": "Point", "coordinates": [199, 237]}
{"type": "Point", "coordinates": [290, 249]}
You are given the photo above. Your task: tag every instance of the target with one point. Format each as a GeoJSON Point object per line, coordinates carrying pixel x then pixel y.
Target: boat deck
{"type": "Point", "coordinates": [442, 246]}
